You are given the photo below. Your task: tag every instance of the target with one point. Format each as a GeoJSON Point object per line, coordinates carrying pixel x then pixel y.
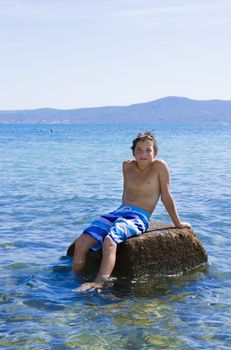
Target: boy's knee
{"type": "Point", "coordinates": [109, 243]}
{"type": "Point", "coordinates": [82, 242]}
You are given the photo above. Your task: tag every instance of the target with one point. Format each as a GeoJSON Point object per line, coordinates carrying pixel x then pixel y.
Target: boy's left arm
{"type": "Point", "coordinates": [166, 197]}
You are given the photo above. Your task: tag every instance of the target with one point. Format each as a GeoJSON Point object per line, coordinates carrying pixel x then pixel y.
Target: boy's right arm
{"type": "Point", "coordinates": [125, 164]}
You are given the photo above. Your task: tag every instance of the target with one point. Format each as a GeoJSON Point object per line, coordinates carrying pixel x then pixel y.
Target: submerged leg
{"type": "Point", "coordinates": [82, 245]}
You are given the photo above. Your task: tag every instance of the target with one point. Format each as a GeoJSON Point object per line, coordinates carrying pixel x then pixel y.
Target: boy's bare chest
{"type": "Point", "coordinates": [143, 179]}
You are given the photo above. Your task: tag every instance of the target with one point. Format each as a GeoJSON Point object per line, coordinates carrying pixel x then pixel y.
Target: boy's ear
{"type": "Point", "coordinates": [155, 152]}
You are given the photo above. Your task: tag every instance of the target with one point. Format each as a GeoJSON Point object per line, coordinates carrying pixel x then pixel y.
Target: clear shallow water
{"type": "Point", "coordinates": [53, 184]}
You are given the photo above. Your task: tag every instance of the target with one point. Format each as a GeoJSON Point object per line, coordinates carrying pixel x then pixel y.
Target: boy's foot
{"type": "Point", "coordinates": [89, 287]}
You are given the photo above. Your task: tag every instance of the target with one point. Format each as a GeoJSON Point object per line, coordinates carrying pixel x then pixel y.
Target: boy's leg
{"type": "Point", "coordinates": [108, 259]}
{"type": "Point", "coordinates": [106, 267]}
{"type": "Point", "coordinates": [121, 230]}
{"type": "Point", "coordinates": [82, 245]}
{"type": "Point", "coordinates": [118, 231]}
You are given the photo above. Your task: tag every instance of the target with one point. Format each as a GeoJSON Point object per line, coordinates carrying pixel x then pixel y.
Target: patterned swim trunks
{"type": "Point", "coordinates": [121, 224]}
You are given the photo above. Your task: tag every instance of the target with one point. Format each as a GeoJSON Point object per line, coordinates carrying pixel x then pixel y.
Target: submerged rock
{"type": "Point", "coordinates": [161, 250]}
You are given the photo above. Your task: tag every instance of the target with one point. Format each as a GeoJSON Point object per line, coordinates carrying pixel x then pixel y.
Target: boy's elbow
{"type": "Point", "coordinates": [163, 199]}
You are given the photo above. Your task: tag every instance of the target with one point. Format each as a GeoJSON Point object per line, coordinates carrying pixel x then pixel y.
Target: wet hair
{"type": "Point", "coordinates": [142, 136]}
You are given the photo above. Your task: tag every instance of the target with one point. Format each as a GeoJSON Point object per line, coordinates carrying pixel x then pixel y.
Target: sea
{"type": "Point", "coordinates": [55, 179]}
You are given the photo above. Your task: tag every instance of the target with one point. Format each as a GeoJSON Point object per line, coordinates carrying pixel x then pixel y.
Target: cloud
{"type": "Point", "coordinates": [207, 14]}
{"type": "Point", "coordinates": [40, 10]}
{"type": "Point", "coordinates": [164, 10]}
{"type": "Point", "coordinates": [217, 22]}
{"type": "Point", "coordinates": [23, 8]}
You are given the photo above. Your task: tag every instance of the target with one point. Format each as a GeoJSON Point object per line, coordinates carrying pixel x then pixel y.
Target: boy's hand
{"type": "Point", "coordinates": [183, 224]}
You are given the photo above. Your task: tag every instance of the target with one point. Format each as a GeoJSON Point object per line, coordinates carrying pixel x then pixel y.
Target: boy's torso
{"type": "Point", "coordinates": [141, 187]}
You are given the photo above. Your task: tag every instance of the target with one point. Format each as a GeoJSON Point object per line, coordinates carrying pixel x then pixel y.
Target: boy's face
{"type": "Point", "coordinates": [144, 151]}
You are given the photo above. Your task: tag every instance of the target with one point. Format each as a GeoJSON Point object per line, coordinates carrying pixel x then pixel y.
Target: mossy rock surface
{"type": "Point", "coordinates": [161, 250]}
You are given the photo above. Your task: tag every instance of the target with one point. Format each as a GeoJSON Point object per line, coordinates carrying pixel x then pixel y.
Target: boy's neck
{"type": "Point", "coordinates": [143, 166]}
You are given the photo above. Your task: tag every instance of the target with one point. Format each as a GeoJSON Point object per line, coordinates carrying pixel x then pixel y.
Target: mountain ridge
{"type": "Point", "coordinates": [165, 109]}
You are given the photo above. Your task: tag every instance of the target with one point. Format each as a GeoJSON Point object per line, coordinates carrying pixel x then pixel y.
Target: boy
{"type": "Point", "coordinates": [145, 181]}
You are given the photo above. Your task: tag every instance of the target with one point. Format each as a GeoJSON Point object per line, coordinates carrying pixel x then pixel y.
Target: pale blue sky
{"type": "Point", "coordinates": [73, 53]}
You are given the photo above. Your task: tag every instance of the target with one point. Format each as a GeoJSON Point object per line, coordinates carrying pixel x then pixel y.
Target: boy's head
{"type": "Point", "coordinates": [145, 136]}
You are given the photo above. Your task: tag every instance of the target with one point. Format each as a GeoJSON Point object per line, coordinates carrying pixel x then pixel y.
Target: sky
{"type": "Point", "coordinates": [87, 53]}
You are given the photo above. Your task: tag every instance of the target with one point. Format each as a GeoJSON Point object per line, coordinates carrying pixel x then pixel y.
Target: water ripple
{"type": "Point", "coordinates": [53, 185]}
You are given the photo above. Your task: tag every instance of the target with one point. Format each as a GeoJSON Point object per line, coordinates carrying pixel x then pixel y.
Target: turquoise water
{"type": "Point", "coordinates": [53, 183]}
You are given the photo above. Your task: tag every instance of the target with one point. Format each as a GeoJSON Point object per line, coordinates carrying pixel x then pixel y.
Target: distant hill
{"type": "Point", "coordinates": [167, 109]}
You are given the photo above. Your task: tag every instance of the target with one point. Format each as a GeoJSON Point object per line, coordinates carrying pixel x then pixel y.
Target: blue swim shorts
{"type": "Point", "coordinates": [121, 224]}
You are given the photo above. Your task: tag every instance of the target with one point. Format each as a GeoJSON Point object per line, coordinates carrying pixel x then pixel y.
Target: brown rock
{"type": "Point", "coordinates": [161, 250]}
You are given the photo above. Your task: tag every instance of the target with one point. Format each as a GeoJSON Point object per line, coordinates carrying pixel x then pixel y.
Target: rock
{"type": "Point", "coordinates": [161, 250]}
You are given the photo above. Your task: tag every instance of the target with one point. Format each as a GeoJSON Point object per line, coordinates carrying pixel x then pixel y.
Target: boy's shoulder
{"type": "Point", "coordinates": [158, 165]}
{"type": "Point", "coordinates": [156, 162]}
{"type": "Point", "coordinates": [160, 162]}
{"type": "Point", "coordinates": [128, 163]}
{"type": "Point", "coordinates": [161, 167]}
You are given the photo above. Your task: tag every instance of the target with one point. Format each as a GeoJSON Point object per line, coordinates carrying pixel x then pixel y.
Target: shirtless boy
{"type": "Point", "coordinates": [146, 179]}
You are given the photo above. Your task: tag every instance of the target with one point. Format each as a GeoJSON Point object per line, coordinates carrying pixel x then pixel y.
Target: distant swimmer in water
{"type": "Point", "coordinates": [146, 179]}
